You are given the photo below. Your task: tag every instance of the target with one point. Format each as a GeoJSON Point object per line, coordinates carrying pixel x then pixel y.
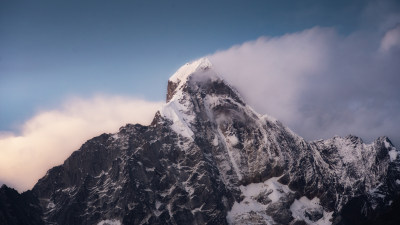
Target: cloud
{"type": "Point", "coordinates": [48, 138]}
{"type": "Point", "coordinates": [268, 71]}
{"type": "Point", "coordinates": [391, 39]}
{"type": "Point", "coordinates": [320, 83]}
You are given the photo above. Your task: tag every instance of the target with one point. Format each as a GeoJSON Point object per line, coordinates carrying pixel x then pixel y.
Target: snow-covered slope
{"type": "Point", "coordinates": [209, 158]}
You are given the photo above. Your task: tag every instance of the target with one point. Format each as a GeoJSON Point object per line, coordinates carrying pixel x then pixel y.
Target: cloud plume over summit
{"type": "Point", "coordinates": [319, 82]}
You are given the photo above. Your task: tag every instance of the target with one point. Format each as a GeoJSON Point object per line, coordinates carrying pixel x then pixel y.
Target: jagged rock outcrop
{"type": "Point", "coordinates": [209, 158]}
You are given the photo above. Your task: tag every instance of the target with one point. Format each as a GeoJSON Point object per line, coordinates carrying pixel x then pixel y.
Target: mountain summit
{"type": "Point", "coordinates": [209, 158]}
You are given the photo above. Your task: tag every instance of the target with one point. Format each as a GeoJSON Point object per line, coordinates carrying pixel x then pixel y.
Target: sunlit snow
{"type": "Point", "coordinates": [110, 222]}
{"type": "Point", "coordinates": [300, 206]}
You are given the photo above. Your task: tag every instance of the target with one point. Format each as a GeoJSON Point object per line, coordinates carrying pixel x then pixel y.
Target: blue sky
{"type": "Point", "coordinates": [52, 50]}
{"type": "Point", "coordinates": [71, 70]}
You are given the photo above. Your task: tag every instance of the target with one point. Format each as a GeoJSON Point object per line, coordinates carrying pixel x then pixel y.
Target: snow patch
{"type": "Point", "coordinates": [387, 144]}
{"type": "Point", "coordinates": [251, 206]}
{"type": "Point", "coordinates": [392, 150]}
{"type": "Point", "coordinates": [346, 150]}
{"type": "Point", "coordinates": [233, 140]}
{"type": "Point", "coordinates": [215, 141]}
{"type": "Point", "coordinates": [189, 68]}
{"type": "Point", "coordinates": [157, 212]}
{"type": "Point", "coordinates": [158, 204]}
{"type": "Point", "coordinates": [266, 117]}
{"type": "Point", "coordinates": [181, 120]}
{"type": "Point", "coordinates": [231, 155]}
{"type": "Point", "coordinates": [393, 154]}
{"type": "Point", "coordinates": [150, 169]}
{"type": "Point", "coordinates": [190, 190]}
{"type": "Point", "coordinates": [110, 222]}
{"type": "Point", "coordinates": [212, 100]}
{"type": "Point", "coordinates": [51, 205]}
{"type": "Point", "coordinates": [132, 205]}
{"type": "Point", "coordinates": [304, 207]}
{"type": "Point", "coordinates": [276, 189]}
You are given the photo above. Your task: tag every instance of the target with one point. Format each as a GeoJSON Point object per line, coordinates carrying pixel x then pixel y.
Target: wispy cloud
{"type": "Point", "coordinates": [391, 40]}
{"type": "Point", "coordinates": [51, 136]}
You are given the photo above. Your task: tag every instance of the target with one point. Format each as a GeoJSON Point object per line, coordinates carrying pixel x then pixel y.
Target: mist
{"type": "Point", "coordinates": [321, 83]}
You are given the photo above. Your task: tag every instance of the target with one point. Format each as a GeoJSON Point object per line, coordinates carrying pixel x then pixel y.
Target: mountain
{"type": "Point", "coordinates": [18, 208]}
{"type": "Point", "coordinates": [209, 158]}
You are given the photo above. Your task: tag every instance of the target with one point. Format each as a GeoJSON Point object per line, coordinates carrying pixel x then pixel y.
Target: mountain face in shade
{"type": "Point", "coordinates": [209, 158]}
{"type": "Point", "coordinates": [19, 208]}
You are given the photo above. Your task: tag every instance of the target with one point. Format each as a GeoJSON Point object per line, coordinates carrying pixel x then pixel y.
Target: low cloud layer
{"type": "Point", "coordinates": [321, 83]}
{"type": "Point", "coordinates": [50, 137]}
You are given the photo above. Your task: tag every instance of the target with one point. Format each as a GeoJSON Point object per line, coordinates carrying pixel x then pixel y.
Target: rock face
{"type": "Point", "coordinates": [208, 158]}
{"type": "Point", "coordinates": [16, 209]}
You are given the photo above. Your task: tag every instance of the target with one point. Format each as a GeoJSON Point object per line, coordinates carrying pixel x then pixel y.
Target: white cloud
{"type": "Point", "coordinates": [391, 39]}
{"type": "Point", "coordinates": [318, 82]}
{"type": "Point", "coordinates": [270, 71]}
{"type": "Point", "coordinates": [50, 137]}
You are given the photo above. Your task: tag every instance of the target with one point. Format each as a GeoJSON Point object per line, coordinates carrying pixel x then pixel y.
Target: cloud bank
{"type": "Point", "coordinates": [48, 138]}
{"type": "Point", "coordinates": [321, 83]}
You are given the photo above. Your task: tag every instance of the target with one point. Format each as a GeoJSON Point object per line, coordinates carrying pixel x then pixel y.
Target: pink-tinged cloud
{"type": "Point", "coordinates": [271, 72]}
{"type": "Point", "coordinates": [320, 83]}
{"type": "Point", "coordinates": [391, 40]}
{"type": "Point", "coordinates": [48, 138]}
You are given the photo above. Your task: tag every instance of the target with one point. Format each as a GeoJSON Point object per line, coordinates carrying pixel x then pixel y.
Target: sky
{"type": "Point", "coordinates": [70, 70]}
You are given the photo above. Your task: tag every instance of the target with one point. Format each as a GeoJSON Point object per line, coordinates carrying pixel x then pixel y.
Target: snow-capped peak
{"type": "Point", "coordinates": [177, 109]}
{"type": "Point", "coordinates": [196, 71]}
{"type": "Point", "coordinates": [189, 68]}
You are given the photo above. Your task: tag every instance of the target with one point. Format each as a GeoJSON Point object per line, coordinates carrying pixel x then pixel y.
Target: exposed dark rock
{"type": "Point", "coordinates": [263, 197]}
{"type": "Point", "coordinates": [19, 209]}
{"type": "Point", "coordinates": [171, 89]}
{"type": "Point", "coordinates": [298, 222]}
{"type": "Point", "coordinates": [314, 214]}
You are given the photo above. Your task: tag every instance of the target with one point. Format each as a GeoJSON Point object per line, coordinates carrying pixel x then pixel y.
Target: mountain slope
{"type": "Point", "coordinates": [18, 208]}
{"type": "Point", "coordinates": [208, 158]}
